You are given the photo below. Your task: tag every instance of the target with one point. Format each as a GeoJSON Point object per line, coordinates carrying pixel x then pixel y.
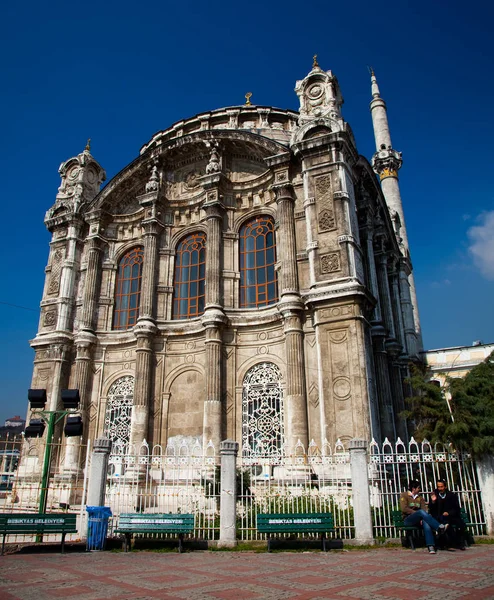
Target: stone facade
{"type": "Point", "coordinates": [320, 353]}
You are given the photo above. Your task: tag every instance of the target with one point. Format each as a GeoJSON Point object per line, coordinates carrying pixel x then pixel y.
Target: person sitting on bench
{"type": "Point", "coordinates": [414, 510]}
{"type": "Point", "coordinates": [445, 508]}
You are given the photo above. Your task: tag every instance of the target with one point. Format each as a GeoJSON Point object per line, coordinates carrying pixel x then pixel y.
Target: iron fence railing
{"type": "Point", "coordinates": [392, 466]}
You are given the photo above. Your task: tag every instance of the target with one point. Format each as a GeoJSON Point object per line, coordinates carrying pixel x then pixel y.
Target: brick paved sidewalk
{"type": "Point", "coordinates": [381, 574]}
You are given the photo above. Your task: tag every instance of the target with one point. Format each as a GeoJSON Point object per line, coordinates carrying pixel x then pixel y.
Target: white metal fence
{"type": "Point", "coordinates": [299, 481]}
{"type": "Point", "coordinates": [181, 478]}
{"type": "Point", "coordinates": [392, 466]}
{"type": "Point", "coordinates": [185, 478]}
{"type": "Point", "coordinates": [21, 481]}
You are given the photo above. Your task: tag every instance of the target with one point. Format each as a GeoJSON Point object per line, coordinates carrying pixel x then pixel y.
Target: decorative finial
{"type": "Point", "coordinates": [315, 64]}
{"type": "Point", "coordinates": [248, 96]}
{"type": "Point", "coordinates": [371, 71]}
{"type": "Point", "coordinates": [88, 146]}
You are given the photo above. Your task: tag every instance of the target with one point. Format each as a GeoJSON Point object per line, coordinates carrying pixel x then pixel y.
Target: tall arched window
{"type": "Point", "coordinates": [128, 289]}
{"type": "Point", "coordinates": [190, 277]}
{"type": "Point", "coordinates": [258, 281]}
{"type": "Point", "coordinates": [262, 412]}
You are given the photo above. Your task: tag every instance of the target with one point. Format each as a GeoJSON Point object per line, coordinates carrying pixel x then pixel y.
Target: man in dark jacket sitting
{"type": "Point", "coordinates": [445, 508]}
{"type": "Point", "coordinates": [414, 511]}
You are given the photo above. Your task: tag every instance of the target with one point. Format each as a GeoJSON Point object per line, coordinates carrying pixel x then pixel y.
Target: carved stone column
{"type": "Point", "coordinates": [85, 342]}
{"type": "Point", "coordinates": [369, 240]}
{"type": "Point", "coordinates": [142, 386]}
{"type": "Point", "coordinates": [407, 309]}
{"type": "Point", "coordinates": [81, 381]}
{"type": "Point", "coordinates": [396, 378]}
{"type": "Point", "coordinates": [296, 397]}
{"type": "Point", "coordinates": [214, 318]}
{"type": "Point", "coordinates": [67, 279]}
{"type": "Point", "coordinates": [145, 329]}
{"type": "Point", "coordinates": [291, 307]}
{"type": "Point", "coordinates": [287, 250]}
{"type": "Point", "coordinates": [396, 306]}
{"type": "Point", "coordinates": [91, 285]}
{"type": "Point", "coordinates": [384, 294]}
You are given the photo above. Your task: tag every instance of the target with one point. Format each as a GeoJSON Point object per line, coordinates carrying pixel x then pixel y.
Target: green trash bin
{"type": "Point", "coordinates": [97, 526]}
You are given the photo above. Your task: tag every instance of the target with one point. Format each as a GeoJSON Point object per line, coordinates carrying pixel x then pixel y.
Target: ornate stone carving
{"type": "Point", "coordinates": [326, 219]}
{"type": "Point", "coordinates": [56, 269]}
{"type": "Point", "coordinates": [153, 184]}
{"type": "Point", "coordinates": [319, 95]}
{"type": "Point", "coordinates": [386, 162]}
{"type": "Point", "coordinates": [214, 164]}
{"type": "Point", "coordinates": [330, 263]}
{"type": "Point", "coordinates": [50, 318]}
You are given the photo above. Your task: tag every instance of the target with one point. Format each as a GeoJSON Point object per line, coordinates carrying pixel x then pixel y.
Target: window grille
{"type": "Point", "coordinates": [258, 281]}
{"type": "Point", "coordinates": [119, 411]}
{"type": "Point", "coordinates": [262, 412]}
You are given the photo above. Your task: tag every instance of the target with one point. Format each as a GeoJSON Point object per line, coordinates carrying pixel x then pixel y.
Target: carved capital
{"type": "Point", "coordinates": [283, 192]}
{"type": "Point", "coordinates": [387, 162]}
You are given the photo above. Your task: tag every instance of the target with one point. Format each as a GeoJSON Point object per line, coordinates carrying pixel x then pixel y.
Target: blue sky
{"type": "Point", "coordinates": [119, 72]}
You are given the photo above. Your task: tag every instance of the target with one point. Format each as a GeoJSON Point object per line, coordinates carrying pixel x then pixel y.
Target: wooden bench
{"type": "Point", "coordinates": [294, 523]}
{"type": "Point", "coordinates": [130, 523]}
{"type": "Point", "coordinates": [37, 524]}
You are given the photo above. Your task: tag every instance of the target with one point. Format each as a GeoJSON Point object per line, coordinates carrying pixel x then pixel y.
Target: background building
{"type": "Point", "coordinates": [247, 276]}
{"type": "Point", "coordinates": [447, 363]}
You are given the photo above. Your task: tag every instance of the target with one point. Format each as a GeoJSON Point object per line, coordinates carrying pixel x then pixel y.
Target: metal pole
{"type": "Point", "coordinates": [46, 465]}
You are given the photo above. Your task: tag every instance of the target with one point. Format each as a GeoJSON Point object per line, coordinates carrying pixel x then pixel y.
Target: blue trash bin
{"type": "Point", "coordinates": [97, 526]}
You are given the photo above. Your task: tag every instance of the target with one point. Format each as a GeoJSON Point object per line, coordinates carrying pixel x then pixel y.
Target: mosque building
{"type": "Point", "coordinates": [247, 276]}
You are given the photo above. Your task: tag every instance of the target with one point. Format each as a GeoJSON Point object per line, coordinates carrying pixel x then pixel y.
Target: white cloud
{"type": "Point", "coordinates": [481, 245]}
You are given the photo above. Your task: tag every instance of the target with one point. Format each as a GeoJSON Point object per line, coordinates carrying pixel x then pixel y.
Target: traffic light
{"type": "Point", "coordinates": [37, 398]}
{"type": "Point", "coordinates": [36, 427]}
{"type": "Point", "coordinates": [73, 426]}
{"type": "Point", "coordinates": [70, 398]}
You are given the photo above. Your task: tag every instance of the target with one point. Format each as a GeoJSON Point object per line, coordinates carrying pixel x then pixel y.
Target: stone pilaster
{"type": "Point", "coordinates": [312, 244]}
{"type": "Point", "coordinates": [384, 392]}
{"type": "Point", "coordinates": [372, 273]}
{"type": "Point", "coordinates": [384, 294]}
{"type": "Point", "coordinates": [407, 309]}
{"type": "Point", "coordinates": [396, 307]}
{"type": "Point", "coordinates": [396, 378]}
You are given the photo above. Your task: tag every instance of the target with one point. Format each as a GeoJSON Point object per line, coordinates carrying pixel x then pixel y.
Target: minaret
{"type": "Point", "coordinates": [386, 163]}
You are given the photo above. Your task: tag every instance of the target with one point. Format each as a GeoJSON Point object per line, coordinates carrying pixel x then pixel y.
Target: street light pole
{"type": "Point", "coordinates": [51, 416]}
